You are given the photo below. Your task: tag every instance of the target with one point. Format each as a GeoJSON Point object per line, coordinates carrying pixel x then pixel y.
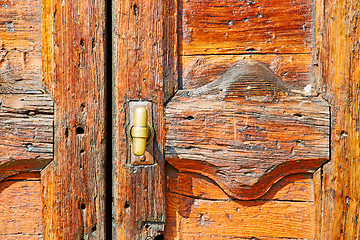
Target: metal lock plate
{"type": "Point", "coordinates": [147, 158]}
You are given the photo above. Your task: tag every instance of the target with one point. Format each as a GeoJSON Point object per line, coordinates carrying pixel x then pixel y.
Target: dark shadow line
{"type": "Point", "coordinates": [108, 115]}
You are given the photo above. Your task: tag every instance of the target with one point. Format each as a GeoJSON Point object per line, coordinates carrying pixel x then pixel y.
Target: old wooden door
{"type": "Point", "coordinates": [255, 107]}
{"type": "Point", "coordinates": [52, 119]}
{"type": "Point", "coordinates": [260, 127]}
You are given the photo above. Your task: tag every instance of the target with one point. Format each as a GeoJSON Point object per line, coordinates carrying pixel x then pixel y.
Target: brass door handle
{"type": "Point", "coordinates": [141, 133]}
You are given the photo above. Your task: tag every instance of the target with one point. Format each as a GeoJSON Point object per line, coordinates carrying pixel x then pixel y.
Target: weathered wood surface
{"type": "Point", "coordinates": [20, 25]}
{"type": "Point", "coordinates": [294, 70]}
{"type": "Point", "coordinates": [26, 111]}
{"type": "Point", "coordinates": [74, 183]}
{"type": "Point", "coordinates": [246, 130]}
{"type": "Point", "coordinates": [292, 198]}
{"type": "Point", "coordinates": [26, 120]}
{"type": "Point", "coordinates": [26, 133]}
{"type": "Point", "coordinates": [338, 51]}
{"type": "Point", "coordinates": [238, 27]}
{"type": "Point", "coordinates": [296, 187]}
{"type": "Point", "coordinates": [189, 218]}
{"type": "Point", "coordinates": [20, 207]}
{"type": "Point", "coordinates": [145, 58]}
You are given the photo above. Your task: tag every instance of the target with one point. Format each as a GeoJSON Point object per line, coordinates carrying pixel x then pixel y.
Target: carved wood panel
{"type": "Point", "coordinates": [246, 130]}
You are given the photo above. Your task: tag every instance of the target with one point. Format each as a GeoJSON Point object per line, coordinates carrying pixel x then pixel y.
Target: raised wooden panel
{"type": "Point", "coordinates": [295, 70]}
{"type": "Point", "coordinates": [238, 27]}
{"type": "Point", "coordinates": [246, 130]}
{"type": "Point", "coordinates": [297, 187]}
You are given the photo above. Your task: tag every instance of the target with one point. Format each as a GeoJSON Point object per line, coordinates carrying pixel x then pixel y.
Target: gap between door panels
{"type": "Point", "coordinates": [109, 119]}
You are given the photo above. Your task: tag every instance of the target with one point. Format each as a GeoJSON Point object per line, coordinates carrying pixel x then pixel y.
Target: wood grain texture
{"type": "Point", "coordinates": [20, 209]}
{"type": "Point", "coordinates": [145, 64]}
{"type": "Point", "coordinates": [339, 50]}
{"type": "Point", "coordinates": [26, 133]}
{"type": "Point", "coordinates": [189, 218]}
{"type": "Point", "coordinates": [26, 111]}
{"type": "Point", "coordinates": [238, 27]}
{"type": "Point", "coordinates": [296, 187]}
{"type": "Point", "coordinates": [20, 25]}
{"type": "Point", "coordinates": [318, 201]}
{"type": "Point", "coordinates": [295, 70]}
{"type": "Point", "coordinates": [246, 130]}
{"type": "Point", "coordinates": [20, 72]}
{"type": "Point", "coordinates": [74, 184]}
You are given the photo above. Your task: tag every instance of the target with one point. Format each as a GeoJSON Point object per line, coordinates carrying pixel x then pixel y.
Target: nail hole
{"type": "Point", "coordinates": [250, 50]}
{"type": "Point", "coordinates": [82, 151]}
{"type": "Point", "coordinates": [66, 132]}
{"type": "Point", "coordinates": [159, 237]}
{"type": "Point", "coordinates": [80, 130]}
{"type": "Point", "coordinates": [29, 147]}
{"type": "Point", "coordinates": [31, 113]}
{"type": "Point", "coordinates": [127, 204]}
{"type": "Point", "coordinates": [343, 134]}
{"type": "Point", "coordinates": [82, 106]}
{"type": "Point", "coordinates": [93, 43]}
{"type": "Point", "coordinates": [82, 206]}
{"type": "Point", "coordinates": [82, 43]}
{"type": "Point", "coordinates": [189, 118]}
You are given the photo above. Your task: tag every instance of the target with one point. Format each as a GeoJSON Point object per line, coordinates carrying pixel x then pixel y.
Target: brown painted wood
{"type": "Point", "coordinates": [145, 68]}
{"type": "Point", "coordinates": [74, 183]}
{"type": "Point", "coordinates": [338, 55]}
{"type": "Point", "coordinates": [246, 130]}
{"type": "Point", "coordinates": [238, 27]}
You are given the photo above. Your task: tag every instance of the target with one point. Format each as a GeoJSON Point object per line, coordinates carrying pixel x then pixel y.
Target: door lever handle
{"type": "Point", "coordinates": [141, 133]}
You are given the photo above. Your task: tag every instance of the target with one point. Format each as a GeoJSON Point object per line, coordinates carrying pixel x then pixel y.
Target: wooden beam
{"type": "Point", "coordinates": [74, 183]}
{"type": "Point", "coordinates": [338, 39]}
{"type": "Point", "coordinates": [144, 68]}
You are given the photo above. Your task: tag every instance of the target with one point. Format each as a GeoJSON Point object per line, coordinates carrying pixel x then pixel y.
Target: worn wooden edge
{"type": "Point", "coordinates": [295, 187]}
{"type": "Point", "coordinates": [14, 167]}
{"type": "Point", "coordinates": [294, 69]}
{"type": "Point", "coordinates": [253, 191]}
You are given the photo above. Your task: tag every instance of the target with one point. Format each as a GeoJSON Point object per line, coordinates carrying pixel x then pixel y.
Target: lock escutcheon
{"type": "Point", "coordinates": [140, 133]}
